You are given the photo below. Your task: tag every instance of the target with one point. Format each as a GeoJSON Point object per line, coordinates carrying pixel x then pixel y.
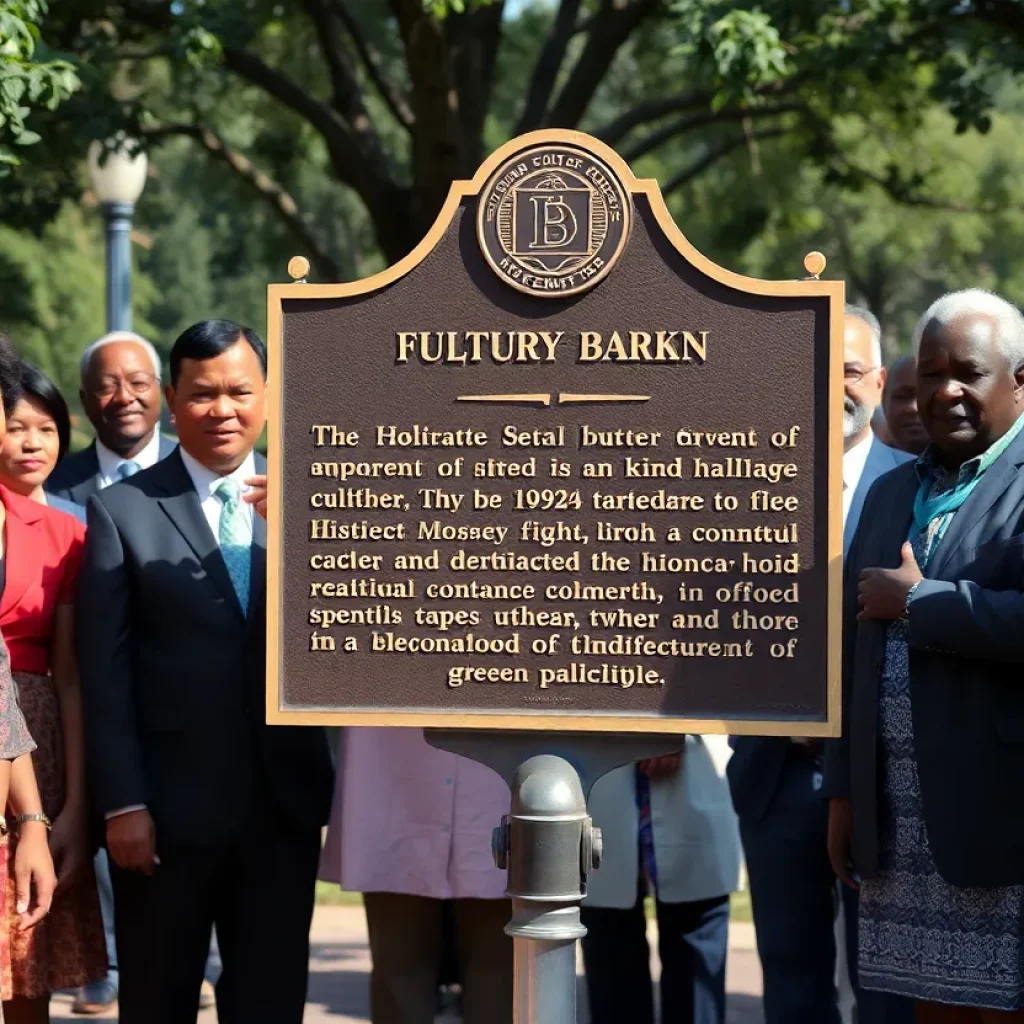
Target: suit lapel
{"type": "Point", "coordinates": [81, 492]}
{"type": "Point", "coordinates": [991, 487]}
{"type": "Point", "coordinates": [874, 466]}
{"type": "Point", "coordinates": [258, 567]}
{"type": "Point", "coordinates": [893, 539]}
{"type": "Point", "coordinates": [181, 505]}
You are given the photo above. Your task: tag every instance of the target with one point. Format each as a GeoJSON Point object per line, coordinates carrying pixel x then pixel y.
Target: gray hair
{"type": "Point", "coordinates": [1009, 320]}
{"type": "Point", "coordinates": [109, 339]}
{"type": "Point", "coordinates": [876, 329]}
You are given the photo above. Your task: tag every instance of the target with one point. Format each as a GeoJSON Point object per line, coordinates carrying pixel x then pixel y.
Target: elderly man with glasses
{"type": "Point", "coordinates": [120, 393]}
{"type": "Point", "coordinates": [777, 782]}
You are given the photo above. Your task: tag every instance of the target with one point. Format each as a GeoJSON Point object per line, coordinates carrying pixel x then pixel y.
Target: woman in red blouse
{"type": "Point", "coordinates": [43, 549]}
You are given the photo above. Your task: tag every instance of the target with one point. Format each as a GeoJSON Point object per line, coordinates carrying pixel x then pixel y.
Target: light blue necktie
{"type": "Point", "coordinates": [127, 469]}
{"type": "Point", "coordinates": [235, 538]}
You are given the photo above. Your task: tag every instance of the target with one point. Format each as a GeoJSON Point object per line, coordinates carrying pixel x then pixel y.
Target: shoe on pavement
{"type": "Point", "coordinates": [207, 996]}
{"type": "Point", "coordinates": [95, 998]}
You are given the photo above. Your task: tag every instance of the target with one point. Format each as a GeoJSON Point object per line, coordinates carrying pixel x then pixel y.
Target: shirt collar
{"type": "Point", "coordinates": [111, 461]}
{"type": "Point", "coordinates": [855, 460]}
{"type": "Point", "coordinates": [928, 464]}
{"type": "Point", "coordinates": [205, 481]}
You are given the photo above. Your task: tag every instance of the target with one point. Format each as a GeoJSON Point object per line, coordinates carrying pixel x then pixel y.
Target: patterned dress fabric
{"type": "Point", "coordinates": [15, 737]}
{"type": "Point", "coordinates": [919, 936]}
{"type": "Point", "coordinates": [67, 948]}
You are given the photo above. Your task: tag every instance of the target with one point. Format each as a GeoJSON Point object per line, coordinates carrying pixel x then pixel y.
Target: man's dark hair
{"type": "Point", "coordinates": [37, 386]}
{"type": "Point", "coordinates": [10, 374]}
{"type": "Point", "coordinates": [208, 339]}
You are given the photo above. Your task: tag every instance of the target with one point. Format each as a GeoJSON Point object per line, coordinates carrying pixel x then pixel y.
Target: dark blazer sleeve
{"type": "Point", "coordinates": [836, 781]}
{"type": "Point", "coordinates": [105, 664]}
{"type": "Point", "coordinates": [964, 619]}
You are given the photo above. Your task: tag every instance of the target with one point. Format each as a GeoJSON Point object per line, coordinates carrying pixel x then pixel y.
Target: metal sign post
{"type": "Point", "coordinates": [549, 844]}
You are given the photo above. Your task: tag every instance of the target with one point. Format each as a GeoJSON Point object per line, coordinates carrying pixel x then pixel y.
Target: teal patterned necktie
{"type": "Point", "coordinates": [234, 538]}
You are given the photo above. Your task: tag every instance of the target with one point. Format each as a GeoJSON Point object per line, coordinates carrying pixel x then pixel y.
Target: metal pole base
{"type": "Point", "coordinates": [549, 844]}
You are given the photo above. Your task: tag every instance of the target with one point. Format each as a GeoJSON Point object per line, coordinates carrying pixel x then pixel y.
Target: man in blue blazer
{"type": "Point", "coordinates": [776, 782]}
{"type": "Point", "coordinates": [120, 391]}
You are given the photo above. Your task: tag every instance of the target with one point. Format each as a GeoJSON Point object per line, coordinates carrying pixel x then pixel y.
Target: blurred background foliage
{"type": "Point", "coordinates": [887, 133]}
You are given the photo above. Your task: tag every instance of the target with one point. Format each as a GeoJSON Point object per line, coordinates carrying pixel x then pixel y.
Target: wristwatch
{"type": "Point", "coordinates": [21, 819]}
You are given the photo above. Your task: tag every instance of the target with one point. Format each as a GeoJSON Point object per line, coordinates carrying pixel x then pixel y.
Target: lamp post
{"type": "Point", "coordinates": [118, 182]}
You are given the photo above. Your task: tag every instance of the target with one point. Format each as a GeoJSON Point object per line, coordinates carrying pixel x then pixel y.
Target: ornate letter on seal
{"type": "Point", "coordinates": [553, 219]}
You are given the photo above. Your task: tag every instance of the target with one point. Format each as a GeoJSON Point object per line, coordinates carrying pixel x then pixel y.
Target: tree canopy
{"type": "Point", "coordinates": [393, 99]}
{"type": "Point", "coordinates": [887, 133]}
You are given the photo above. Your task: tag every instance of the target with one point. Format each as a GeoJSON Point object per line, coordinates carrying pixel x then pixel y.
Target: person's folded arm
{"type": "Point", "coordinates": [103, 619]}
{"type": "Point", "coordinates": [967, 620]}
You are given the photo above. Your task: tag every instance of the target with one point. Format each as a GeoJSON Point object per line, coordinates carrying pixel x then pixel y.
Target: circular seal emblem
{"type": "Point", "coordinates": [553, 220]}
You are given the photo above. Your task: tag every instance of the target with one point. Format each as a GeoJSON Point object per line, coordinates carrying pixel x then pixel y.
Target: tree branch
{"type": "Point", "coordinates": [715, 153]}
{"type": "Point", "coordinates": [366, 170]}
{"type": "Point", "coordinates": [347, 98]}
{"type": "Point", "coordinates": [473, 39]}
{"type": "Point", "coordinates": [372, 63]}
{"type": "Point", "coordinates": [275, 194]}
{"type": "Point", "coordinates": [612, 26]}
{"type": "Point", "coordinates": [650, 110]}
{"type": "Point", "coordinates": [437, 136]}
{"type": "Point", "coordinates": [549, 63]}
{"type": "Point", "coordinates": [686, 124]}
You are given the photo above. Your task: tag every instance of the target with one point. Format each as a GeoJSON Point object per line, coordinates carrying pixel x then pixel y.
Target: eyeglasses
{"type": "Point", "coordinates": [854, 375]}
{"type": "Point", "coordinates": [137, 385]}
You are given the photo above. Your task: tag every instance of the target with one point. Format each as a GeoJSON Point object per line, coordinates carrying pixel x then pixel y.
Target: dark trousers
{"type": "Point", "coordinates": [449, 972]}
{"type": "Point", "coordinates": [259, 894]}
{"type": "Point", "coordinates": [405, 948]}
{"type": "Point", "coordinates": [693, 939]}
{"type": "Point", "coordinates": [795, 897]}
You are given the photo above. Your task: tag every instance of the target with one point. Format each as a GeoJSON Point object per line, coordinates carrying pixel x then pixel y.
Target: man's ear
{"type": "Point", "coordinates": [169, 397]}
{"type": "Point", "coordinates": [1018, 382]}
{"type": "Point", "coordinates": [883, 373]}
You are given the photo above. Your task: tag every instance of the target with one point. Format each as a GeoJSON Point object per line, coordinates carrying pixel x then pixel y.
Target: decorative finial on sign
{"type": "Point", "coordinates": [814, 264]}
{"type": "Point", "coordinates": [298, 268]}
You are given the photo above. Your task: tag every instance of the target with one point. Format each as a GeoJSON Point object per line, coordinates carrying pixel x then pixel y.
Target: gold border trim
{"type": "Point", "coordinates": [834, 291]}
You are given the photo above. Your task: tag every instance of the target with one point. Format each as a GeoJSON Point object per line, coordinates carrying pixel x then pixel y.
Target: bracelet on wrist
{"type": "Point", "coordinates": [23, 819]}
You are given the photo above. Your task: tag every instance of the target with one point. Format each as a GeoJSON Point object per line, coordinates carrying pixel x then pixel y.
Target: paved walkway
{"type": "Point", "coordinates": [341, 964]}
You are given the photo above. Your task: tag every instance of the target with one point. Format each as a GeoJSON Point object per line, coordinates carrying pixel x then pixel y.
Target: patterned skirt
{"type": "Point", "coordinates": [67, 948]}
{"type": "Point", "coordinates": [919, 936]}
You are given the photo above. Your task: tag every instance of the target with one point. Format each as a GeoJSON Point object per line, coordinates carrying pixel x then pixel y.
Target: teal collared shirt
{"type": "Point", "coordinates": [928, 467]}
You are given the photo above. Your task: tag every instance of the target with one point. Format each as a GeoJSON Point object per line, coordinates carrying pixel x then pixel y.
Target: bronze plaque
{"type": "Point", "coordinates": [556, 470]}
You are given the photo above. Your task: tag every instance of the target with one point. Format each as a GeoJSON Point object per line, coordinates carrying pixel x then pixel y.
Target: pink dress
{"type": "Point", "coordinates": [411, 819]}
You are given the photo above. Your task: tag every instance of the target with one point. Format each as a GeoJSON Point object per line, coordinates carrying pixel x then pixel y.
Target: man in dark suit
{"type": "Point", "coordinates": [213, 818]}
{"type": "Point", "coordinates": [776, 782]}
{"type": "Point", "coordinates": [120, 393]}
{"type": "Point", "coordinates": [925, 781]}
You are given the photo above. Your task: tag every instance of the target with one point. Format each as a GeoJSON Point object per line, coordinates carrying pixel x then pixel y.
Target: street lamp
{"type": "Point", "coordinates": [118, 182]}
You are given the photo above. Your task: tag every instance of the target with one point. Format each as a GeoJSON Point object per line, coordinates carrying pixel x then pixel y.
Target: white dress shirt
{"type": "Point", "coordinates": [206, 482]}
{"type": "Point", "coordinates": [854, 462]}
{"type": "Point", "coordinates": [111, 462]}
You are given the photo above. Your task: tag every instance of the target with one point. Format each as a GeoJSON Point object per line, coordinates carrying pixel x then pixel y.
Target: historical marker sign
{"type": "Point", "coordinates": [556, 470]}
